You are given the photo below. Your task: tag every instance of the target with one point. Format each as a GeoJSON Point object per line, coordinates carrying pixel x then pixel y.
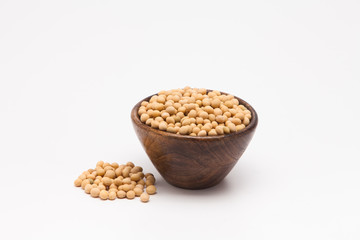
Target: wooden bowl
{"type": "Point", "coordinates": [193, 162]}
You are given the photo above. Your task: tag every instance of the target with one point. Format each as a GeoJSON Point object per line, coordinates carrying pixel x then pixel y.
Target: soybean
{"type": "Point", "coordinates": [109, 181]}
{"type": "Point", "coordinates": [151, 189]}
{"type": "Point", "coordinates": [176, 111]}
{"type": "Point", "coordinates": [104, 194]}
{"type": "Point", "coordinates": [144, 197]}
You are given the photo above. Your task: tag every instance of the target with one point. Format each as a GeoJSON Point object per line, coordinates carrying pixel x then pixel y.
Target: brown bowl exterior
{"type": "Point", "coordinates": [193, 162]}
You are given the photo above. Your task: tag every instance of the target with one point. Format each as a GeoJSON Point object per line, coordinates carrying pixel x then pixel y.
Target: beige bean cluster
{"type": "Point", "coordinates": [194, 112]}
{"type": "Point", "coordinates": [111, 181]}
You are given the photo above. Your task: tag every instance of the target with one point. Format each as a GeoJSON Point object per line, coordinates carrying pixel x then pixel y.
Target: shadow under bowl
{"type": "Point", "coordinates": [193, 162]}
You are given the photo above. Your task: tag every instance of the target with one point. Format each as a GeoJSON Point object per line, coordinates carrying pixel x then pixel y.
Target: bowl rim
{"type": "Point", "coordinates": [252, 125]}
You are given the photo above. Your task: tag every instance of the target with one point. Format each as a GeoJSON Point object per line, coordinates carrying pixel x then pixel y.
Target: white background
{"type": "Point", "coordinates": [70, 72]}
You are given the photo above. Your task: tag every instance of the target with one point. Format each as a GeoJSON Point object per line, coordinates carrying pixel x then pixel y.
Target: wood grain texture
{"type": "Point", "coordinates": [193, 162]}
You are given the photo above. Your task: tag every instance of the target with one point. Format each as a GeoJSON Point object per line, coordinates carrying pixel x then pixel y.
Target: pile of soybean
{"type": "Point", "coordinates": [111, 181]}
{"type": "Point", "coordinates": [194, 112]}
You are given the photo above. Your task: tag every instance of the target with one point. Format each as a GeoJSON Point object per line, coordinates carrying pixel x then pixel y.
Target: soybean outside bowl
{"type": "Point", "coordinates": [193, 162]}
